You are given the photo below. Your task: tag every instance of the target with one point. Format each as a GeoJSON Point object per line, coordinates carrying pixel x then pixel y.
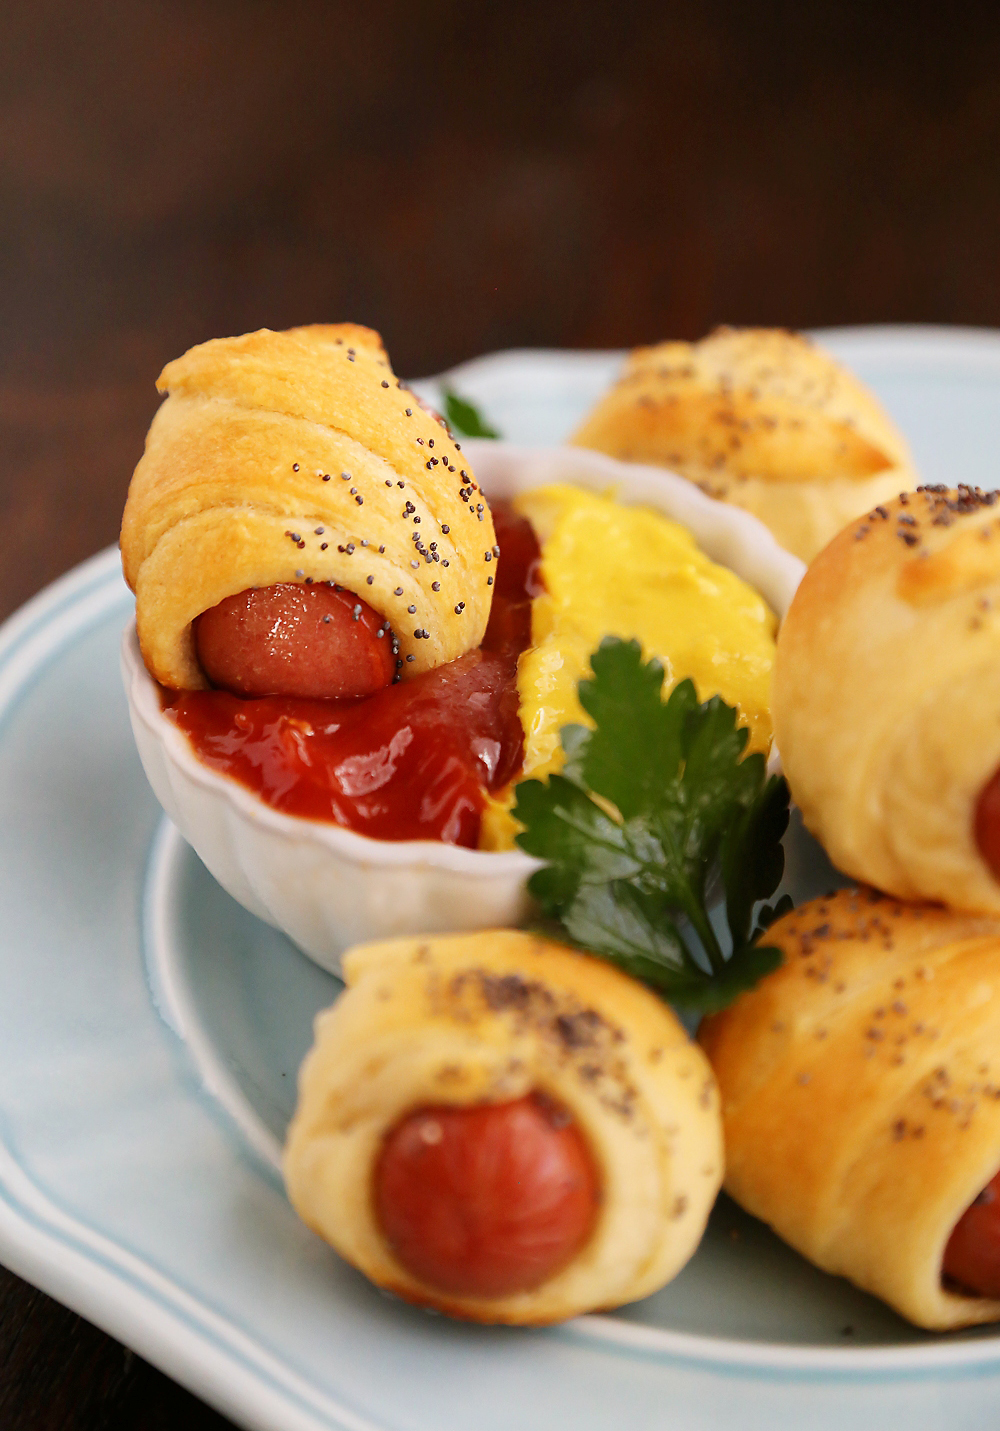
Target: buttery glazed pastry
{"type": "Point", "coordinates": [608, 569]}
{"type": "Point", "coordinates": [496, 1126]}
{"type": "Point", "coordinates": [887, 694]}
{"type": "Point", "coordinates": [861, 1099]}
{"type": "Point", "coordinates": [285, 460]}
{"type": "Point", "coordinates": [761, 418]}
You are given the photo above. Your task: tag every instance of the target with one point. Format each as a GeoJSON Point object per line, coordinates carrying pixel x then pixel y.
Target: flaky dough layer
{"type": "Point", "coordinates": [886, 697]}
{"type": "Point", "coordinates": [761, 418]}
{"type": "Point", "coordinates": [298, 456]}
{"type": "Point", "coordinates": [490, 1017]}
{"type": "Point", "coordinates": [861, 1092]}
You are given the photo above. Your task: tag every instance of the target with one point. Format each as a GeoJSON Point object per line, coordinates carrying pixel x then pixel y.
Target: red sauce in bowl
{"type": "Point", "coordinates": [413, 761]}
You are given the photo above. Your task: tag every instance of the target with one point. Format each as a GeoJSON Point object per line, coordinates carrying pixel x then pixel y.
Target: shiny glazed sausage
{"type": "Point", "coordinates": [290, 640]}
{"type": "Point", "coordinates": [972, 1257]}
{"type": "Point", "coordinates": [486, 1201]}
{"type": "Point", "coordinates": [986, 826]}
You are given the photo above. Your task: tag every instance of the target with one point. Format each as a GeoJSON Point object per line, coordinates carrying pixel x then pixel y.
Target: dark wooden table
{"type": "Point", "coordinates": [463, 177]}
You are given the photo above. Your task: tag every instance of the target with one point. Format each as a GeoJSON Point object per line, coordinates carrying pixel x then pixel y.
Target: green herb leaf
{"type": "Point", "coordinates": [627, 925]}
{"type": "Point", "coordinates": [653, 805]}
{"type": "Point", "coordinates": [756, 832]}
{"type": "Point", "coordinates": [768, 914]}
{"type": "Point", "coordinates": [464, 417]}
{"type": "Point", "coordinates": [745, 969]}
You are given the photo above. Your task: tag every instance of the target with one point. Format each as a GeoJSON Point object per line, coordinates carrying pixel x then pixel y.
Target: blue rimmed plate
{"type": "Point", "coordinates": [150, 1031]}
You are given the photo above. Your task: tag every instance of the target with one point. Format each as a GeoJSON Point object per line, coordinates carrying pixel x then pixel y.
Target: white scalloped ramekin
{"type": "Point", "coordinates": [329, 888]}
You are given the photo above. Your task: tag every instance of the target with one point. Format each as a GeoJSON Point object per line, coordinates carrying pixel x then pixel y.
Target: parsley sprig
{"type": "Point", "coordinates": [464, 417]}
{"type": "Point", "coordinates": [655, 805]}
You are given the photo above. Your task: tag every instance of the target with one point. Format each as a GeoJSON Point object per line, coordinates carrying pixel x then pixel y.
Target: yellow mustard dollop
{"type": "Point", "coordinates": [612, 570]}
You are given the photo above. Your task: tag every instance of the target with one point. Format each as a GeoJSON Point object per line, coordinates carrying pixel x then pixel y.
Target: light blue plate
{"type": "Point", "coordinates": [150, 1031]}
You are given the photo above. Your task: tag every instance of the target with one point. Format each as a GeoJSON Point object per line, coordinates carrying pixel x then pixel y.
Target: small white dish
{"type": "Point", "coordinates": [327, 887]}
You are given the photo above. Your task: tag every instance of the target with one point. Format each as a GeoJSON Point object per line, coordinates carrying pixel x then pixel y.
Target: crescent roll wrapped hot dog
{"type": "Point", "coordinates": [499, 1127]}
{"type": "Point", "coordinates": [761, 418]}
{"type": "Point", "coordinates": [886, 698]}
{"type": "Point", "coordinates": [861, 1100]}
{"type": "Point", "coordinates": [285, 462]}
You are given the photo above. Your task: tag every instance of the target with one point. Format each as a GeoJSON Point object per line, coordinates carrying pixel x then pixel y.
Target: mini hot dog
{"type": "Point", "coordinates": [886, 692]}
{"type": "Point", "coordinates": [861, 1100]}
{"type": "Point", "coordinates": [297, 459]}
{"type": "Point", "coordinates": [762, 418]}
{"type": "Point", "coordinates": [504, 1129]}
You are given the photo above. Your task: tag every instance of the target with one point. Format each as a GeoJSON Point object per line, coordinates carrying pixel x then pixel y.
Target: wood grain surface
{"type": "Point", "coordinates": [464, 177]}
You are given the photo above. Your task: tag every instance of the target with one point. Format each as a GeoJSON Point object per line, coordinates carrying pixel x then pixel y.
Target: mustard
{"type": "Point", "coordinates": [612, 570]}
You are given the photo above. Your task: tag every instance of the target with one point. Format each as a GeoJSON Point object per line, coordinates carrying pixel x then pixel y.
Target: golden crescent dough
{"type": "Point", "coordinates": [282, 457]}
{"type": "Point", "coordinates": [488, 1017]}
{"type": "Point", "coordinates": [887, 691]}
{"type": "Point", "coordinates": [861, 1092]}
{"type": "Point", "coordinates": [761, 418]}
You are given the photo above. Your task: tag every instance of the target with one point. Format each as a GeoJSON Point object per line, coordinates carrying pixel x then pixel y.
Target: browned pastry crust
{"type": "Point", "coordinates": [861, 1092]}
{"type": "Point", "coordinates": [298, 456]}
{"type": "Point", "coordinates": [887, 692]}
{"type": "Point", "coordinates": [762, 418]}
{"type": "Point", "coordinates": [489, 1017]}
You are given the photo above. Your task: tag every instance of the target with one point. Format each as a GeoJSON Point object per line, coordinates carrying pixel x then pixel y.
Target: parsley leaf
{"type": "Point", "coordinates": [656, 805]}
{"type": "Point", "coordinates": [464, 417]}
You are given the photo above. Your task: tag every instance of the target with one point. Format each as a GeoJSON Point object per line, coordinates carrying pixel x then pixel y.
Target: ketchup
{"type": "Point", "coordinates": [413, 761]}
{"type": "Point", "coordinates": [518, 579]}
